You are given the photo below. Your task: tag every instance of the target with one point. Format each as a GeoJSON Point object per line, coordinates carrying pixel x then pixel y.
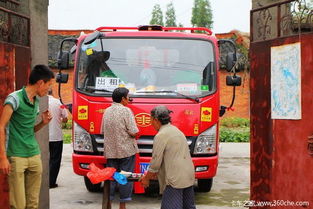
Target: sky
{"type": "Point", "coordinates": [91, 14]}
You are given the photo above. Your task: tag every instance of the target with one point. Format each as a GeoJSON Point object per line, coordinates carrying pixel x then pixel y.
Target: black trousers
{"type": "Point", "coordinates": [178, 198]}
{"type": "Point", "coordinates": [55, 149]}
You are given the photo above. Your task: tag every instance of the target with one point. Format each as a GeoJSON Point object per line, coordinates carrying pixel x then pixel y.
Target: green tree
{"type": "Point", "coordinates": [202, 14]}
{"type": "Point", "coordinates": [170, 17]}
{"type": "Point", "coordinates": [157, 16]}
{"type": "Point", "coordinates": [195, 16]}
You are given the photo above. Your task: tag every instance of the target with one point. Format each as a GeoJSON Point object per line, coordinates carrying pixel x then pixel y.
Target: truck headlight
{"type": "Point", "coordinates": [82, 139]}
{"type": "Point", "coordinates": [206, 142]}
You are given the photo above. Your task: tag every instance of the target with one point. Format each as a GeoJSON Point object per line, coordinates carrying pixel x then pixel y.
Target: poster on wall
{"type": "Point", "coordinates": [286, 81]}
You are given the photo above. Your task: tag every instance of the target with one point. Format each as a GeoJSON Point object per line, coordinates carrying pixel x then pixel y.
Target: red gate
{"type": "Point", "coordinates": [15, 62]}
{"type": "Point", "coordinates": [281, 154]}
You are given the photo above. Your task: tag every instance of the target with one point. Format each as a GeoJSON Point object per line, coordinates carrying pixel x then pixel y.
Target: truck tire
{"type": "Point", "coordinates": [92, 187]}
{"type": "Point", "coordinates": [205, 185]}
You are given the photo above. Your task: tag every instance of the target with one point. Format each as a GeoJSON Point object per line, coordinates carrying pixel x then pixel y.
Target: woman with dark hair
{"type": "Point", "coordinates": [171, 163]}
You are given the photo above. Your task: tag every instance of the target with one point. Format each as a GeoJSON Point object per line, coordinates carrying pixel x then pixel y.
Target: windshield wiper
{"type": "Point", "coordinates": [175, 92]}
{"type": "Point", "coordinates": [93, 89]}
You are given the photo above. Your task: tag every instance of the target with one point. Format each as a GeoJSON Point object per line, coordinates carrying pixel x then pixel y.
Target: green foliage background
{"type": "Point", "coordinates": [235, 130]}
{"type": "Point", "coordinates": [67, 132]}
{"type": "Point", "coordinates": [170, 17]}
{"type": "Point", "coordinates": [202, 14]}
{"type": "Point", "coordinates": [157, 16]}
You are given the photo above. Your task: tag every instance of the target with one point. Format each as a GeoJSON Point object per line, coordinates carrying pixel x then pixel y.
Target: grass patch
{"type": "Point", "coordinates": [234, 122]}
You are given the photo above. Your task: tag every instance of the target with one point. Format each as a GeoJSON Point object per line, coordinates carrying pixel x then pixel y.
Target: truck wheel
{"type": "Point", "coordinates": [92, 187]}
{"type": "Point", "coordinates": [205, 185]}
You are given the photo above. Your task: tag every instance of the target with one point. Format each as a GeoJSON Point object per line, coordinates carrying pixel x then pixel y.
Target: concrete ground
{"type": "Point", "coordinates": [230, 187]}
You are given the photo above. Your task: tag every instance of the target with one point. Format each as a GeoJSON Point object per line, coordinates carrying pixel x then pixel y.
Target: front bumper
{"type": "Point", "coordinates": [80, 163]}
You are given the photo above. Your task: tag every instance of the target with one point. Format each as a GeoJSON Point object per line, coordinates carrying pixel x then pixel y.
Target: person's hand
{"type": "Point", "coordinates": [154, 176]}
{"type": "Point", "coordinates": [144, 181]}
{"type": "Point", "coordinates": [46, 117]}
{"type": "Point", "coordinates": [5, 166]}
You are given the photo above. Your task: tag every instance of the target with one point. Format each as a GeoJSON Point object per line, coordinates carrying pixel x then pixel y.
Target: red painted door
{"type": "Point", "coordinates": [14, 70]}
{"type": "Point", "coordinates": [281, 164]}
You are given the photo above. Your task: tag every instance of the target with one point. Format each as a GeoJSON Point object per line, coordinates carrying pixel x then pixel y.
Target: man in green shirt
{"type": "Point", "coordinates": [19, 150]}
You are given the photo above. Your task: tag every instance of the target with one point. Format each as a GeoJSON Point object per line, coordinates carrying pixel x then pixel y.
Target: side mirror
{"type": "Point", "coordinates": [233, 80]}
{"type": "Point", "coordinates": [61, 78]}
{"type": "Point", "coordinates": [63, 60]}
{"type": "Point", "coordinates": [231, 60]}
{"type": "Point", "coordinates": [64, 56]}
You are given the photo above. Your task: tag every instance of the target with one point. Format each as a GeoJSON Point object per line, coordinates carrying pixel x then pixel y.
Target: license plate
{"type": "Point", "coordinates": [144, 167]}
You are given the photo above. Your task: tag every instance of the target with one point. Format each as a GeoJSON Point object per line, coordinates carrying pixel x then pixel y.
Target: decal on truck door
{"type": "Point", "coordinates": [82, 113]}
{"type": "Point", "coordinates": [206, 114]}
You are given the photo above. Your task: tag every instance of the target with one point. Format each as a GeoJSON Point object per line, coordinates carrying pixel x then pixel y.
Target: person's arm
{"type": "Point", "coordinates": [4, 119]}
{"type": "Point", "coordinates": [64, 115]}
{"type": "Point", "coordinates": [145, 180]}
{"type": "Point", "coordinates": [46, 118]}
{"type": "Point", "coordinates": [64, 120]}
{"type": "Point", "coordinates": [156, 161]}
{"type": "Point", "coordinates": [102, 124]}
{"type": "Point", "coordinates": [133, 134]}
{"type": "Point", "coordinates": [131, 125]}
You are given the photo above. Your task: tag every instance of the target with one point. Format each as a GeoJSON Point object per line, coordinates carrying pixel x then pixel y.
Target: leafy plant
{"type": "Point", "coordinates": [235, 129]}
{"type": "Point", "coordinates": [234, 134]}
{"type": "Point", "coordinates": [67, 125]}
{"type": "Point", "coordinates": [67, 138]}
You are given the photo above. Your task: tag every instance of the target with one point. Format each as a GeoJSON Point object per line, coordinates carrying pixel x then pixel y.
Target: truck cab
{"type": "Point", "coordinates": [175, 67]}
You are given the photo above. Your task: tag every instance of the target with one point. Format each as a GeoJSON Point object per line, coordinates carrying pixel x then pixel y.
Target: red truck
{"type": "Point", "coordinates": [171, 66]}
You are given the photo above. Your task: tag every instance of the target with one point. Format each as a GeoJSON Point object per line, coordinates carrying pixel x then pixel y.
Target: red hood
{"type": "Point", "coordinates": [190, 117]}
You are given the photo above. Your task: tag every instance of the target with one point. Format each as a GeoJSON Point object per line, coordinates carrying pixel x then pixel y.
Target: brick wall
{"type": "Point", "coordinates": [241, 105]}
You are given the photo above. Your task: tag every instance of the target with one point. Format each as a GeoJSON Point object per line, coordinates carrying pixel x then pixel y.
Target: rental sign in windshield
{"type": "Point", "coordinates": [107, 83]}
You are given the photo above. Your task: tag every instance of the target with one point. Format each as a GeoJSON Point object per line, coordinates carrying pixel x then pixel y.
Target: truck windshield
{"type": "Point", "coordinates": [148, 67]}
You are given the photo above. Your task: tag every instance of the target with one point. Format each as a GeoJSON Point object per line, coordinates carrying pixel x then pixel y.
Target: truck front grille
{"type": "Point", "coordinates": [145, 144]}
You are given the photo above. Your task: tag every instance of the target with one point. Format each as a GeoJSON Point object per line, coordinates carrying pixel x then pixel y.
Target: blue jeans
{"type": "Point", "coordinates": [125, 164]}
